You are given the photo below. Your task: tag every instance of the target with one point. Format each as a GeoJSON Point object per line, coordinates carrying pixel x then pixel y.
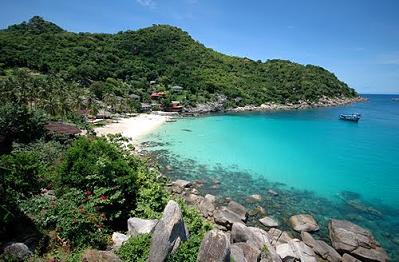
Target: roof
{"type": "Point", "coordinates": [157, 94]}
{"type": "Point", "coordinates": [62, 128]}
{"type": "Point", "coordinates": [177, 87]}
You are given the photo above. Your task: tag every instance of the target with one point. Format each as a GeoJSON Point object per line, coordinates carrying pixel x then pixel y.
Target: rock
{"type": "Point", "coordinates": [296, 250]}
{"type": "Point", "coordinates": [214, 247]}
{"type": "Point", "coordinates": [251, 254]}
{"type": "Point", "coordinates": [168, 233]}
{"type": "Point", "coordinates": [237, 254]}
{"type": "Point", "coordinates": [225, 217]}
{"type": "Point", "coordinates": [303, 222]}
{"type": "Point", "coordinates": [210, 198]}
{"type": "Point", "coordinates": [193, 199]}
{"type": "Point", "coordinates": [253, 198]}
{"type": "Point", "coordinates": [269, 222]}
{"type": "Point", "coordinates": [278, 237]}
{"type": "Point", "coordinates": [238, 209]}
{"type": "Point", "coordinates": [182, 183]}
{"type": "Point", "coordinates": [348, 258]}
{"type": "Point", "coordinates": [347, 237]}
{"type": "Point", "coordinates": [93, 255]}
{"type": "Point", "coordinates": [206, 207]}
{"type": "Point", "coordinates": [118, 239]}
{"type": "Point", "coordinates": [257, 211]}
{"type": "Point", "coordinates": [137, 226]}
{"type": "Point", "coordinates": [17, 251]}
{"type": "Point", "coordinates": [272, 192]}
{"type": "Point", "coordinates": [194, 191]}
{"type": "Point", "coordinates": [321, 248]}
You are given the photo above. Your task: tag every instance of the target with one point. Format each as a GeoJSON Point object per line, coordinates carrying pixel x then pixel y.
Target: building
{"type": "Point", "coordinates": [176, 89]}
{"type": "Point", "coordinates": [157, 95]}
{"type": "Point", "coordinates": [175, 106]}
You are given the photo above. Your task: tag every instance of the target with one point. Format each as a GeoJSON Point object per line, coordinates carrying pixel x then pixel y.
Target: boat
{"type": "Point", "coordinates": [350, 117]}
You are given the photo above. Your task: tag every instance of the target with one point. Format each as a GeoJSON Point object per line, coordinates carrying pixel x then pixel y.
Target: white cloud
{"type": "Point", "coordinates": [146, 3]}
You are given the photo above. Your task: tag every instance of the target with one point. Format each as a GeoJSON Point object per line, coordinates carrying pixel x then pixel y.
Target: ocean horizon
{"type": "Point", "coordinates": [317, 163]}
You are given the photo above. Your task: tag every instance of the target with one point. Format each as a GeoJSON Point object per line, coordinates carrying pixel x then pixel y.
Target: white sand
{"type": "Point", "coordinates": [133, 127]}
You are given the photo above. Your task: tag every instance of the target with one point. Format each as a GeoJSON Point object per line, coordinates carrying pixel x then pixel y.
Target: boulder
{"type": "Point", "coordinates": [238, 209]}
{"type": "Point", "coordinates": [347, 237]}
{"type": "Point", "coordinates": [296, 250]}
{"type": "Point", "coordinates": [118, 239]}
{"type": "Point", "coordinates": [251, 253]}
{"type": "Point", "coordinates": [225, 217]}
{"type": "Point", "coordinates": [269, 222]}
{"type": "Point", "coordinates": [237, 254]}
{"type": "Point", "coordinates": [137, 226]}
{"type": "Point", "coordinates": [206, 207]}
{"type": "Point", "coordinates": [272, 192]}
{"type": "Point", "coordinates": [93, 255]}
{"type": "Point", "coordinates": [168, 233]}
{"type": "Point", "coordinates": [348, 258]}
{"type": "Point", "coordinates": [257, 211]}
{"type": "Point", "coordinates": [303, 222]}
{"type": "Point", "coordinates": [17, 251]}
{"type": "Point", "coordinates": [210, 198]}
{"type": "Point", "coordinates": [321, 248]}
{"type": "Point", "coordinates": [182, 183]}
{"type": "Point", "coordinates": [214, 247]}
{"type": "Point", "coordinates": [254, 198]}
{"type": "Point", "coordinates": [278, 237]}
{"type": "Point", "coordinates": [193, 199]}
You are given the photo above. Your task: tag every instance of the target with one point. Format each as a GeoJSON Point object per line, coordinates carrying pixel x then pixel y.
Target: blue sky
{"type": "Point", "coordinates": [358, 39]}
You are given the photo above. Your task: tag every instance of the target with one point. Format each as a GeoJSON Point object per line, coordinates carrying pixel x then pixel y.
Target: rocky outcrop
{"type": "Point", "coordinates": [296, 250]}
{"type": "Point", "coordinates": [348, 258]}
{"type": "Point", "coordinates": [17, 252]}
{"type": "Point", "coordinates": [182, 183]}
{"type": "Point", "coordinates": [118, 239]}
{"type": "Point", "coordinates": [250, 253]}
{"type": "Point", "coordinates": [237, 254]}
{"type": "Point", "coordinates": [214, 247]}
{"type": "Point", "coordinates": [303, 222]}
{"type": "Point", "coordinates": [321, 248]}
{"type": "Point", "coordinates": [347, 237]}
{"type": "Point", "coordinates": [225, 217]}
{"type": "Point", "coordinates": [278, 237]}
{"type": "Point", "coordinates": [239, 210]}
{"type": "Point", "coordinates": [169, 232]}
{"type": "Point", "coordinates": [207, 206]}
{"type": "Point", "coordinates": [269, 222]}
{"type": "Point", "coordinates": [93, 255]}
{"type": "Point", "coordinates": [137, 226]}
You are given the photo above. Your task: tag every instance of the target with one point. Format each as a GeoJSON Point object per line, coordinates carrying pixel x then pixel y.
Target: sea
{"type": "Point", "coordinates": [317, 164]}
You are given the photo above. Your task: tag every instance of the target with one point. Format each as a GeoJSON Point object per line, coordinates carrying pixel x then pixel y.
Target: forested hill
{"type": "Point", "coordinates": [130, 60]}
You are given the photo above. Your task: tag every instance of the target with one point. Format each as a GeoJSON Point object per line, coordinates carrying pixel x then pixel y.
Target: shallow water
{"type": "Point", "coordinates": [317, 163]}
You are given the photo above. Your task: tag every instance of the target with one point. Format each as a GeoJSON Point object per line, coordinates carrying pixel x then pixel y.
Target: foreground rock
{"type": "Point", "coordinates": [347, 237]}
{"type": "Point", "coordinates": [118, 239]}
{"type": "Point", "coordinates": [207, 206]}
{"type": "Point", "coordinates": [296, 250]}
{"type": "Point", "coordinates": [269, 222]}
{"type": "Point", "coordinates": [225, 217]}
{"type": "Point", "coordinates": [321, 248]}
{"type": "Point", "coordinates": [17, 252]}
{"type": "Point", "coordinates": [182, 183]}
{"type": "Point", "coordinates": [214, 247]}
{"type": "Point", "coordinates": [169, 232]}
{"type": "Point", "coordinates": [137, 226]}
{"type": "Point", "coordinates": [303, 222]}
{"type": "Point", "coordinates": [278, 237]}
{"type": "Point", "coordinates": [238, 209]}
{"type": "Point", "coordinates": [93, 255]}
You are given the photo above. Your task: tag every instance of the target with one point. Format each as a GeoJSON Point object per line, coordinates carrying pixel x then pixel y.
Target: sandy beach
{"type": "Point", "coordinates": [133, 127]}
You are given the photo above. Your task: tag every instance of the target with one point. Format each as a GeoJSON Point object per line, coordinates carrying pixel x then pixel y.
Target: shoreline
{"type": "Point", "coordinates": [134, 127]}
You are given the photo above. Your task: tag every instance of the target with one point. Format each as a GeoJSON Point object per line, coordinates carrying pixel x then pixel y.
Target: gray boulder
{"type": "Point", "coordinates": [296, 250]}
{"type": "Point", "coordinates": [238, 209]}
{"type": "Point", "coordinates": [137, 226]}
{"type": "Point", "coordinates": [321, 248]}
{"type": "Point", "coordinates": [193, 199]}
{"type": "Point", "coordinates": [348, 258]}
{"type": "Point", "coordinates": [347, 237]}
{"type": "Point", "coordinates": [303, 222]}
{"type": "Point", "coordinates": [237, 254]}
{"type": "Point", "coordinates": [182, 183]}
{"type": "Point", "coordinates": [214, 247]}
{"type": "Point", "coordinates": [210, 198]}
{"type": "Point", "coordinates": [17, 251]}
{"type": "Point", "coordinates": [207, 206]}
{"type": "Point", "coordinates": [278, 237]}
{"type": "Point", "coordinates": [251, 253]}
{"type": "Point", "coordinates": [225, 217]}
{"type": "Point", "coordinates": [93, 255]}
{"type": "Point", "coordinates": [168, 233]}
{"type": "Point", "coordinates": [118, 239]}
{"type": "Point", "coordinates": [269, 222]}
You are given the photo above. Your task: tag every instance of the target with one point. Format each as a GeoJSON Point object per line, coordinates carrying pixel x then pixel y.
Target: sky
{"type": "Point", "coordinates": [358, 40]}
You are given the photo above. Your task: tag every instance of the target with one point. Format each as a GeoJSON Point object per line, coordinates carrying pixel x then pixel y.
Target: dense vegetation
{"type": "Point", "coordinates": [114, 66]}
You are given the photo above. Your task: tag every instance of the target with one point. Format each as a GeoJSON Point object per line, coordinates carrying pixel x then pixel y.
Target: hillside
{"type": "Point", "coordinates": [129, 60]}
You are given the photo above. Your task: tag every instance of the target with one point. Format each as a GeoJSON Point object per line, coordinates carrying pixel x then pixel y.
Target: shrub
{"type": "Point", "coordinates": [136, 249]}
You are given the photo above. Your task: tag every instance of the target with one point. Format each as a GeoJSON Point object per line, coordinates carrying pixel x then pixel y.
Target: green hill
{"type": "Point", "coordinates": [129, 60]}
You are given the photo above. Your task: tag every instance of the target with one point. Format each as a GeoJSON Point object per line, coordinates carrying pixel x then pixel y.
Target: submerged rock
{"type": "Point", "coordinates": [254, 198]}
{"type": "Point", "coordinates": [347, 237]}
{"type": "Point", "coordinates": [272, 192]}
{"type": "Point", "coordinates": [137, 226]}
{"type": "Point", "coordinates": [303, 222]}
{"type": "Point", "coordinates": [169, 232]}
{"type": "Point", "coordinates": [269, 222]}
{"type": "Point", "coordinates": [214, 247]}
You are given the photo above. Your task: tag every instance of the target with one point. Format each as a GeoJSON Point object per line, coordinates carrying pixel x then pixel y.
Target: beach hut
{"type": "Point", "coordinates": [157, 95]}
{"type": "Point", "coordinates": [62, 128]}
{"type": "Point", "coordinates": [176, 89]}
{"type": "Point", "coordinates": [175, 106]}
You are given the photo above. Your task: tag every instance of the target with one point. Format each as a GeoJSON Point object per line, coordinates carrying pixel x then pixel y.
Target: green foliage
{"type": "Point", "coordinates": [136, 249]}
{"type": "Point", "coordinates": [113, 66]}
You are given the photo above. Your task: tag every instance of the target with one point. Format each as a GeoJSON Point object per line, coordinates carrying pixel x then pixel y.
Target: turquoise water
{"type": "Point", "coordinates": [350, 169]}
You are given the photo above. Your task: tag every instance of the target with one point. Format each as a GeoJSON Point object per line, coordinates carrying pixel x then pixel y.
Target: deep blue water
{"type": "Point", "coordinates": [319, 164]}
